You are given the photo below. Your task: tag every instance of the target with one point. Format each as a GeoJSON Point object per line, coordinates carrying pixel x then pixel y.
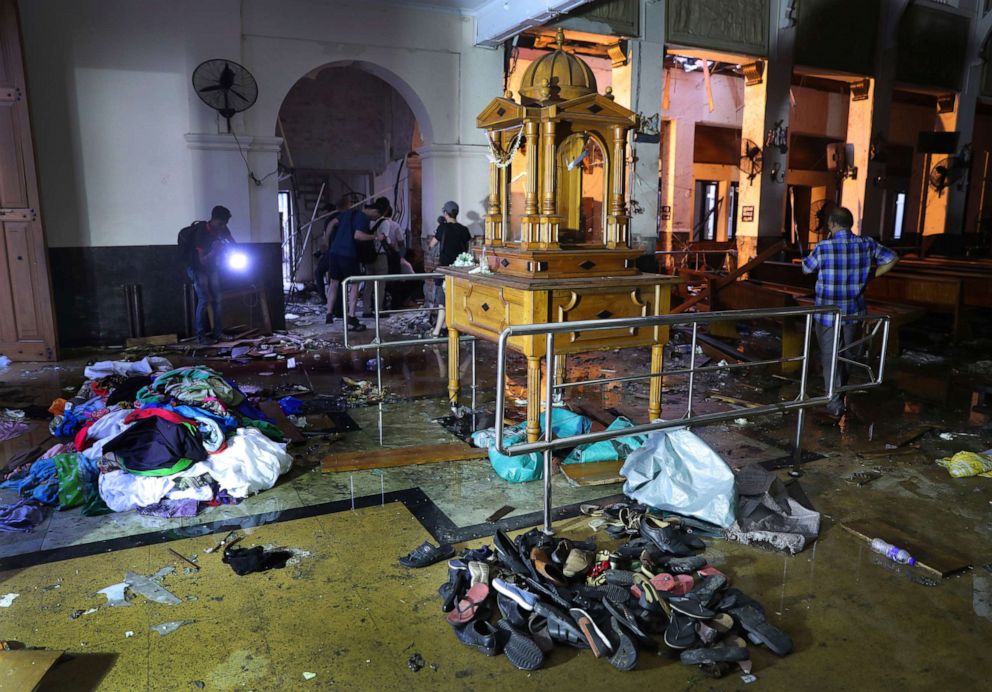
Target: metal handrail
{"type": "Point", "coordinates": [799, 404]}
{"type": "Point", "coordinates": [377, 344]}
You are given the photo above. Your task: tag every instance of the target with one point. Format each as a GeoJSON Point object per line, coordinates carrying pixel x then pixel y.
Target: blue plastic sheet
{"type": "Point", "coordinates": [607, 450]}
{"type": "Point", "coordinates": [529, 467]}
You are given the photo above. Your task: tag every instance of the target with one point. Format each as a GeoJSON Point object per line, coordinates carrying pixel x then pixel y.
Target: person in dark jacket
{"type": "Point", "coordinates": [349, 226]}
{"type": "Point", "coordinates": [209, 239]}
{"type": "Point", "coordinates": [453, 239]}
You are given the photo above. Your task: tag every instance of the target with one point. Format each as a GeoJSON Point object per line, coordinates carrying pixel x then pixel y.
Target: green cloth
{"type": "Point", "coordinates": [197, 386]}
{"type": "Point", "coordinates": [70, 480]}
{"type": "Point", "coordinates": [266, 428]}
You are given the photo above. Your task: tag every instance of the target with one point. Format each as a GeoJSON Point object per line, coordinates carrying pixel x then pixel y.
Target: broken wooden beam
{"type": "Point", "coordinates": [722, 281]}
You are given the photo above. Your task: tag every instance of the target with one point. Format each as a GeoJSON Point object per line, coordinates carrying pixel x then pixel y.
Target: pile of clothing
{"type": "Point", "coordinates": [143, 435]}
{"type": "Point", "coordinates": [656, 591]}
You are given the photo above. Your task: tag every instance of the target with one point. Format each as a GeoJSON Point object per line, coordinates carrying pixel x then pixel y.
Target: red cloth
{"type": "Point", "coordinates": [170, 416]}
{"type": "Point", "coordinates": [80, 442]}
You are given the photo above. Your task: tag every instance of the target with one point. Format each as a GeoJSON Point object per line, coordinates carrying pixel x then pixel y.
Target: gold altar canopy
{"type": "Point", "coordinates": [556, 230]}
{"type": "Point", "coordinates": [557, 204]}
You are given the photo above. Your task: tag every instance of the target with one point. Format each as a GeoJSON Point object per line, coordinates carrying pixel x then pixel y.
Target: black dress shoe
{"type": "Point", "coordinates": [666, 538]}
{"type": "Point", "coordinates": [480, 634]}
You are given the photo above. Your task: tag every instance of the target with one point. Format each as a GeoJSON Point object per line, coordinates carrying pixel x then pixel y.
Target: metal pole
{"type": "Point", "coordinates": [801, 413]}
{"type": "Point", "coordinates": [344, 308]}
{"type": "Point", "coordinates": [836, 348]}
{"type": "Point", "coordinates": [692, 369]}
{"type": "Point", "coordinates": [473, 382]}
{"type": "Point", "coordinates": [375, 299]}
{"type": "Point", "coordinates": [500, 384]}
{"type": "Point", "coordinates": [549, 364]}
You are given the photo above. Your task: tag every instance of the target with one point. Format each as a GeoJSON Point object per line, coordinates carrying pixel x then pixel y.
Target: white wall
{"type": "Point", "coordinates": [127, 154]}
{"type": "Point", "coordinates": [111, 101]}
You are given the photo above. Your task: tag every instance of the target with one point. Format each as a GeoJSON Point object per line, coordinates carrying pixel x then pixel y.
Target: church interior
{"type": "Point", "coordinates": [633, 342]}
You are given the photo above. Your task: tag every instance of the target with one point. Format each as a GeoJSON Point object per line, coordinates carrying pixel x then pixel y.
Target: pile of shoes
{"type": "Point", "coordinates": [655, 592]}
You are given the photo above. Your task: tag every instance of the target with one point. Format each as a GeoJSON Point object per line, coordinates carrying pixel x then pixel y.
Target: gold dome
{"type": "Point", "coordinates": [557, 76]}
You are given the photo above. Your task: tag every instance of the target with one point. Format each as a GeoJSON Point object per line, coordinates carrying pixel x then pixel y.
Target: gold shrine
{"type": "Point", "coordinates": [556, 228]}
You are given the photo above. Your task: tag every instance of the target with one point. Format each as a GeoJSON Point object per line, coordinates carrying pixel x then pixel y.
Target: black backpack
{"type": "Point", "coordinates": [187, 244]}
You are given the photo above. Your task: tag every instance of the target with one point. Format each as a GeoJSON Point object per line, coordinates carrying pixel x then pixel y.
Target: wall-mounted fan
{"type": "Point", "coordinates": [947, 172]}
{"type": "Point", "coordinates": [225, 86]}
{"type": "Point", "coordinates": [818, 213]}
{"type": "Point", "coordinates": [750, 163]}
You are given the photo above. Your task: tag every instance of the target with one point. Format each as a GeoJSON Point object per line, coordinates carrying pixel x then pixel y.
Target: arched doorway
{"type": "Point", "coordinates": [347, 130]}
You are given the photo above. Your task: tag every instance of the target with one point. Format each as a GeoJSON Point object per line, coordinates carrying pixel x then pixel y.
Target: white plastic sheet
{"type": "Point", "coordinates": [677, 471]}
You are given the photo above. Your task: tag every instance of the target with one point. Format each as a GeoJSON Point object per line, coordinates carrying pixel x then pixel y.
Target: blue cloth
{"type": "Point", "coordinates": [349, 221]}
{"type": "Point", "coordinates": [530, 467]}
{"type": "Point", "coordinates": [21, 516]}
{"type": "Point", "coordinates": [844, 265]}
{"type": "Point", "coordinates": [227, 423]}
{"type": "Point", "coordinates": [40, 482]}
{"type": "Point", "coordinates": [291, 406]}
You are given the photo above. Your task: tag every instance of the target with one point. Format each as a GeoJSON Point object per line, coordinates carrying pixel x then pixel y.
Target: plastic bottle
{"type": "Point", "coordinates": [893, 553]}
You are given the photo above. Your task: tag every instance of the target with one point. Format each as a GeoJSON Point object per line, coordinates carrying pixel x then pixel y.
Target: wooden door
{"type": "Point", "coordinates": [27, 323]}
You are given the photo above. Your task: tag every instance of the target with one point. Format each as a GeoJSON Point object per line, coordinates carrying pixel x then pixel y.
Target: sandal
{"type": "Point", "coordinates": [427, 554]}
{"type": "Point", "coordinates": [467, 608]}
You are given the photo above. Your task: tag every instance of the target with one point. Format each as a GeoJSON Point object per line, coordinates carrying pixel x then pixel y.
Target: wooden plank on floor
{"type": "Point", "coordinates": [937, 559]}
{"type": "Point", "coordinates": [158, 340]}
{"type": "Point", "coordinates": [23, 669]}
{"type": "Point", "coordinates": [593, 473]}
{"type": "Point", "coordinates": [401, 456]}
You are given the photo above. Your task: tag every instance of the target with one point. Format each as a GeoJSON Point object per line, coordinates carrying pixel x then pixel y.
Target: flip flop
{"type": "Point", "coordinates": [716, 654]}
{"type": "Point", "coordinates": [467, 608]}
{"type": "Point", "coordinates": [711, 571]}
{"type": "Point", "coordinates": [427, 554]}
{"type": "Point", "coordinates": [681, 632]}
{"type": "Point", "coordinates": [751, 617]}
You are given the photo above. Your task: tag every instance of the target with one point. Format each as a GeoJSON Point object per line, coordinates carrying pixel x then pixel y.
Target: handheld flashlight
{"type": "Point", "coordinates": [237, 260]}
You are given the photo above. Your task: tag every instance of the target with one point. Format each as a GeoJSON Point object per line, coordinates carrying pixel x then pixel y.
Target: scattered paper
{"type": "Point", "coordinates": [291, 363]}
{"type": "Point", "coordinates": [151, 589]}
{"type": "Point", "coordinates": [170, 627]}
{"type": "Point", "coordinates": [129, 634]}
{"type": "Point", "coordinates": [115, 595]}
{"type": "Point", "coordinates": [7, 599]}
{"type": "Point", "coordinates": [307, 675]}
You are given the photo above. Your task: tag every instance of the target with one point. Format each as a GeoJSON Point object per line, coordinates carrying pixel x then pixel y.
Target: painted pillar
{"type": "Point", "coordinates": [637, 85]}
{"type": "Point", "coordinates": [678, 137]}
{"type": "Point", "coordinates": [766, 103]}
{"type": "Point", "coordinates": [868, 124]}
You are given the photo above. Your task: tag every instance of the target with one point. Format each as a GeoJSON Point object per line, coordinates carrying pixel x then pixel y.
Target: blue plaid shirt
{"type": "Point", "coordinates": [844, 265]}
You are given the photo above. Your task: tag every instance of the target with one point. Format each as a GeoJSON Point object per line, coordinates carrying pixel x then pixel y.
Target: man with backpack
{"type": "Point", "coordinates": [346, 232]}
{"type": "Point", "coordinates": [388, 234]}
{"type": "Point", "coordinates": [201, 246]}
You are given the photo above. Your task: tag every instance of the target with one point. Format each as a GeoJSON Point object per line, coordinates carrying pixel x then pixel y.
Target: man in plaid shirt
{"type": "Point", "coordinates": [843, 263]}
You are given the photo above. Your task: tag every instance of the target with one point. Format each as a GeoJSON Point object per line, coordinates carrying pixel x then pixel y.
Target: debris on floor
{"type": "Point", "coordinates": [170, 627]}
{"type": "Point", "coordinates": [524, 596]}
{"type": "Point", "coordinates": [8, 599]}
{"type": "Point", "coordinates": [150, 588]}
{"type": "Point", "coordinates": [967, 464]}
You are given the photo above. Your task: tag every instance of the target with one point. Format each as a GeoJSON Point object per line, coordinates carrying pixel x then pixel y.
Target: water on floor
{"type": "Point", "coordinates": [348, 613]}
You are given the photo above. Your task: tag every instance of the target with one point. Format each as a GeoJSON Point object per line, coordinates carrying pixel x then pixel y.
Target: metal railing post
{"type": "Point", "coordinates": [801, 413]}
{"type": "Point", "coordinates": [549, 364]}
{"type": "Point", "coordinates": [692, 369]}
{"type": "Point", "coordinates": [473, 377]}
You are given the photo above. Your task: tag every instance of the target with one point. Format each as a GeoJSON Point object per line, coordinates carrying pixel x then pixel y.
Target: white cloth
{"type": "Point", "coordinates": [145, 366]}
{"type": "Point", "coordinates": [123, 491]}
{"type": "Point", "coordinates": [250, 463]}
{"type": "Point", "coordinates": [104, 430]}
